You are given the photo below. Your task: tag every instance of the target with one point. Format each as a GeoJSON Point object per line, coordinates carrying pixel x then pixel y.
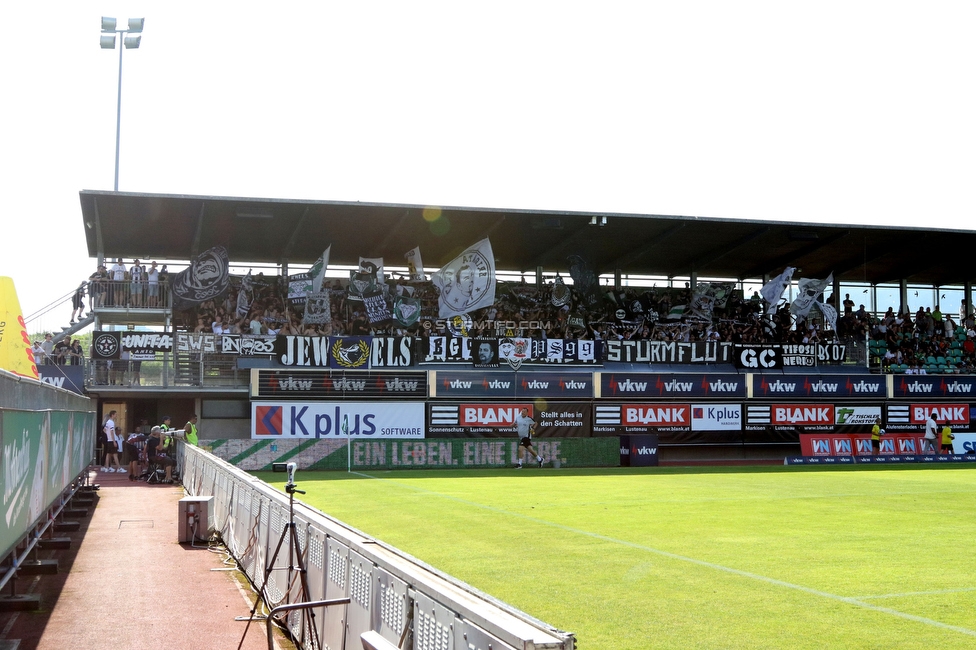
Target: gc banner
{"type": "Point", "coordinates": [377, 420]}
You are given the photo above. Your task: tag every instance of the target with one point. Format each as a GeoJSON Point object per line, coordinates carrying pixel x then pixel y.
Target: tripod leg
{"type": "Point", "coordinates": [308, 616]}
{"type": "Point", "coordinates": [262, 596]}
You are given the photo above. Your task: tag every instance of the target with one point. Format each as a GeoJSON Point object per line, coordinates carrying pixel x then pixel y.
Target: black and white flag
{"type": "Point", "coordinates": [467, 282]}
{"type": "Point", "coordinates": [206, 278]}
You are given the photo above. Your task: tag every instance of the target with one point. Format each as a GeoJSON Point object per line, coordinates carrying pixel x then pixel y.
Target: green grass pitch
{"type": "Point", "coordinates": [761, 557]}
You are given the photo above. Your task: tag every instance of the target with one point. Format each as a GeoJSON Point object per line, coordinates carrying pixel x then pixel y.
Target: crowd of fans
{"type": "Point", "coordinates": [260, 305]}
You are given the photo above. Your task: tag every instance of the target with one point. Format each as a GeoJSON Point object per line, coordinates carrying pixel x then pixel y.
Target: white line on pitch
{"type": "Point", "coordinates": [918, 593]}
{"type": "Point", "coordinates": [857, 602]}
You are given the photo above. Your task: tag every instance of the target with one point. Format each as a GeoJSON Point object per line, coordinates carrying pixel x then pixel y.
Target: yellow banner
{"type": "Point", "coordinates": [15, 345]}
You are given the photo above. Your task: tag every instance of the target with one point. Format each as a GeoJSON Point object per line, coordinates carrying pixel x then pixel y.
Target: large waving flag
{"type": "Point", "coordinates": [416, 265]}
{"type": "Point", "coordinates": [809, 289]}
{"type": "Point", "coordinates": [772, 291]}
{"type": "Point", "coordinates": [317, 272]}
{"type": "Point", "coordinates": [467, 282]}
{"type": "Point", "coordinates": [15, 347]}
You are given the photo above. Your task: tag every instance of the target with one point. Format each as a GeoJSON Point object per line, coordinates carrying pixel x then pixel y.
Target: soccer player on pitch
{"type": "Point", "coordinates": [526, 427]}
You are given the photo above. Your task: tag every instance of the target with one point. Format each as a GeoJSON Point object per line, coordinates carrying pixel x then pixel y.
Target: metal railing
{"type": "Point", "coordinates": [168, 370]}
{"type": "Point", "coordinates": [110, 294]}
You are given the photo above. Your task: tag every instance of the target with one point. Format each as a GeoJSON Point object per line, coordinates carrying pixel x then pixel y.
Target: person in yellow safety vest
{"type": "Point", "coordinates": [190, 430]}
{"type": "Point", "coordinates": [876, 437]}
{"type": "Point", "coordinates": [169, 442]}
{"type": "Point", "coordinates": [947, 438]}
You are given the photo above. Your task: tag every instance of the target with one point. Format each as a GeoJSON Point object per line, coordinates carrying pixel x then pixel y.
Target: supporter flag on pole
{"type": "Point", "coordinates": [772, 291]}
{"type": "Point", "coordinates": [207, 277]}
{"type": "Point", "coordinates": [317, 272]}
{"type": "Point", "coordinates": [829, 313]}
{"type": "Point", "coordinates": [374, 266]}
{"type": "Point", "coordinates": [415, 265]}
{"type": "Point", "coordinates": [467, 282]}
{"type": "Point", "coordinates": [809, 289]}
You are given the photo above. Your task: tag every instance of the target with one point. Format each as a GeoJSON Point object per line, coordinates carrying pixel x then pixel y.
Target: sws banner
{"type": "Point", "coordinates": [494, 420]}
{"type": "Point", "coordinates": [325, 384]}
{"type": "Point", "coordinates": [337, 420]}
{"type": "Point", "coordinates": [617, 385]}
{"type": "Point", "coordinates": [668, 352]}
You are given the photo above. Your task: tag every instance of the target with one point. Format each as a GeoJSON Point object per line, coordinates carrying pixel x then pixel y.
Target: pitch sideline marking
{"type": "Point", "coordinates": [919, 593]}
{"type": "Point", "coordinates": [857, 602]}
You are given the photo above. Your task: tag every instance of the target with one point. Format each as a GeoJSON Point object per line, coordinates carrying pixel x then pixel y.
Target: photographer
{"type": "Point", "coordinates": [156, 455]}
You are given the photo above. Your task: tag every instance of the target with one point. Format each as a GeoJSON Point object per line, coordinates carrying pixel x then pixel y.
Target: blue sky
{"type": "Point", "coordinates": [842, 112]}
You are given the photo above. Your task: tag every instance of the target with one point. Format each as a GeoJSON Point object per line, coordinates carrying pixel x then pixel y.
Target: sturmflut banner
{"type": "Point", "coordinates": [282, 420]}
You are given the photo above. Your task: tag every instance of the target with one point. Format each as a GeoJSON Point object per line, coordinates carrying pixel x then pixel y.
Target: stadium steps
{"type": "Point", "coordinates": [71, 329]}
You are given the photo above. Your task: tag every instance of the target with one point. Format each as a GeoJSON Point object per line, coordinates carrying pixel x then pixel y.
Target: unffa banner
{"type": "Point", "coordinates": [326, 384]}
{"type": "Point", "coordinates": [912, 417]}
{"type": "Point", "coordinates": [668, 352]}
{"type": "Point", "coordinates": [15, 345]}
{"type": "Point", "coordinates": [935, 387]}
{"type": "Point", "coordinates": [337, 419]}
{"type": "Point", "coordinates": [365, 454]}
{"type": "Point", "coordinates": [493, 420]}
{"type": "Point", "coordinates": [146, 342]}
{"type": "Point", "coordinates": [623, 385]}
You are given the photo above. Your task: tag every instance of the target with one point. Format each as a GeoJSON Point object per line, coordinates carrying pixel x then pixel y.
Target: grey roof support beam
{"type": "Point", "coordinates": [198, 234]}
{"type": "Point", "coordinates": [295, 234]}
{"type": "Point", "coordinates": [791, 258]}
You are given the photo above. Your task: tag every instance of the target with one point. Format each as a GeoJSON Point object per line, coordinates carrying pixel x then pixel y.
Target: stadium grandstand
{"type": "Point", "coordinates": [269, 296]}
{"type": "Point", "coordinates": [355, 336]}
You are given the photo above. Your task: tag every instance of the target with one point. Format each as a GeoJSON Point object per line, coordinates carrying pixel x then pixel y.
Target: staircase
{"type": "Point", "coordinates": [186, 369]}
{"type": "Point", "coordinates": [71, 329]}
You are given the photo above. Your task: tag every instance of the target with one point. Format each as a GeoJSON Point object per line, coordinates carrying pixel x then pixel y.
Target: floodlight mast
{"type": "Point", "coordinates": [107, 42]}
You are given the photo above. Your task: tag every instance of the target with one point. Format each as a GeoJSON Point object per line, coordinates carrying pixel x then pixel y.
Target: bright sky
{"type": "Point", "coordinates": [844, 112]}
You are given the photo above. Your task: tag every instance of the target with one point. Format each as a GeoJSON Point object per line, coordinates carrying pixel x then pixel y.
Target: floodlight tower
{"type": "Point", "coordinates": [131, 38]}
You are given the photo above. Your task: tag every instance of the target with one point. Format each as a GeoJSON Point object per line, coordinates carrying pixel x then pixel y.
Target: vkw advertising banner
{"type": "Point", "coordinates": [622, 385]}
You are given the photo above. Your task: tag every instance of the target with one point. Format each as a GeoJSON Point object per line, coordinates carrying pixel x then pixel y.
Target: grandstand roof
{"type": "Point", "coordinates": [178, 227]}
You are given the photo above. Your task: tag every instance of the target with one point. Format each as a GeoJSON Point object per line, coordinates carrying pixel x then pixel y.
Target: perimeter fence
{"type": "Point", "coordinates": [395, 600]}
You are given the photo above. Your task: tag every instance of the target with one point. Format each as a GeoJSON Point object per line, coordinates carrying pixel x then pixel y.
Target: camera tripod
{"type": "Point", "coordinates": [295, 565]}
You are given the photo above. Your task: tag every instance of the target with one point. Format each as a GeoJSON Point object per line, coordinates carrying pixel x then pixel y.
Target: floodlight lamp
{"type": "Point", "coordinates": [132, 42]}
{"type": "Point", "coordinates": [135, 24]}
{"type": "Point", "coordinates": [593, 220]}
{"type": "Point", "coordinates": [108, 24]}
{"type": "Point", "coordinates": [107, 41]}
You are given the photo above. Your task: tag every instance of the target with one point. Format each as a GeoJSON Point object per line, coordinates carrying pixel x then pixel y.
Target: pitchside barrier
{"type": "Point", "coordinates": [47, 436]}
{"type": "Point", "coordinates": [395, 601]}
{"type": "Point", "coordinates": [430, 453]}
